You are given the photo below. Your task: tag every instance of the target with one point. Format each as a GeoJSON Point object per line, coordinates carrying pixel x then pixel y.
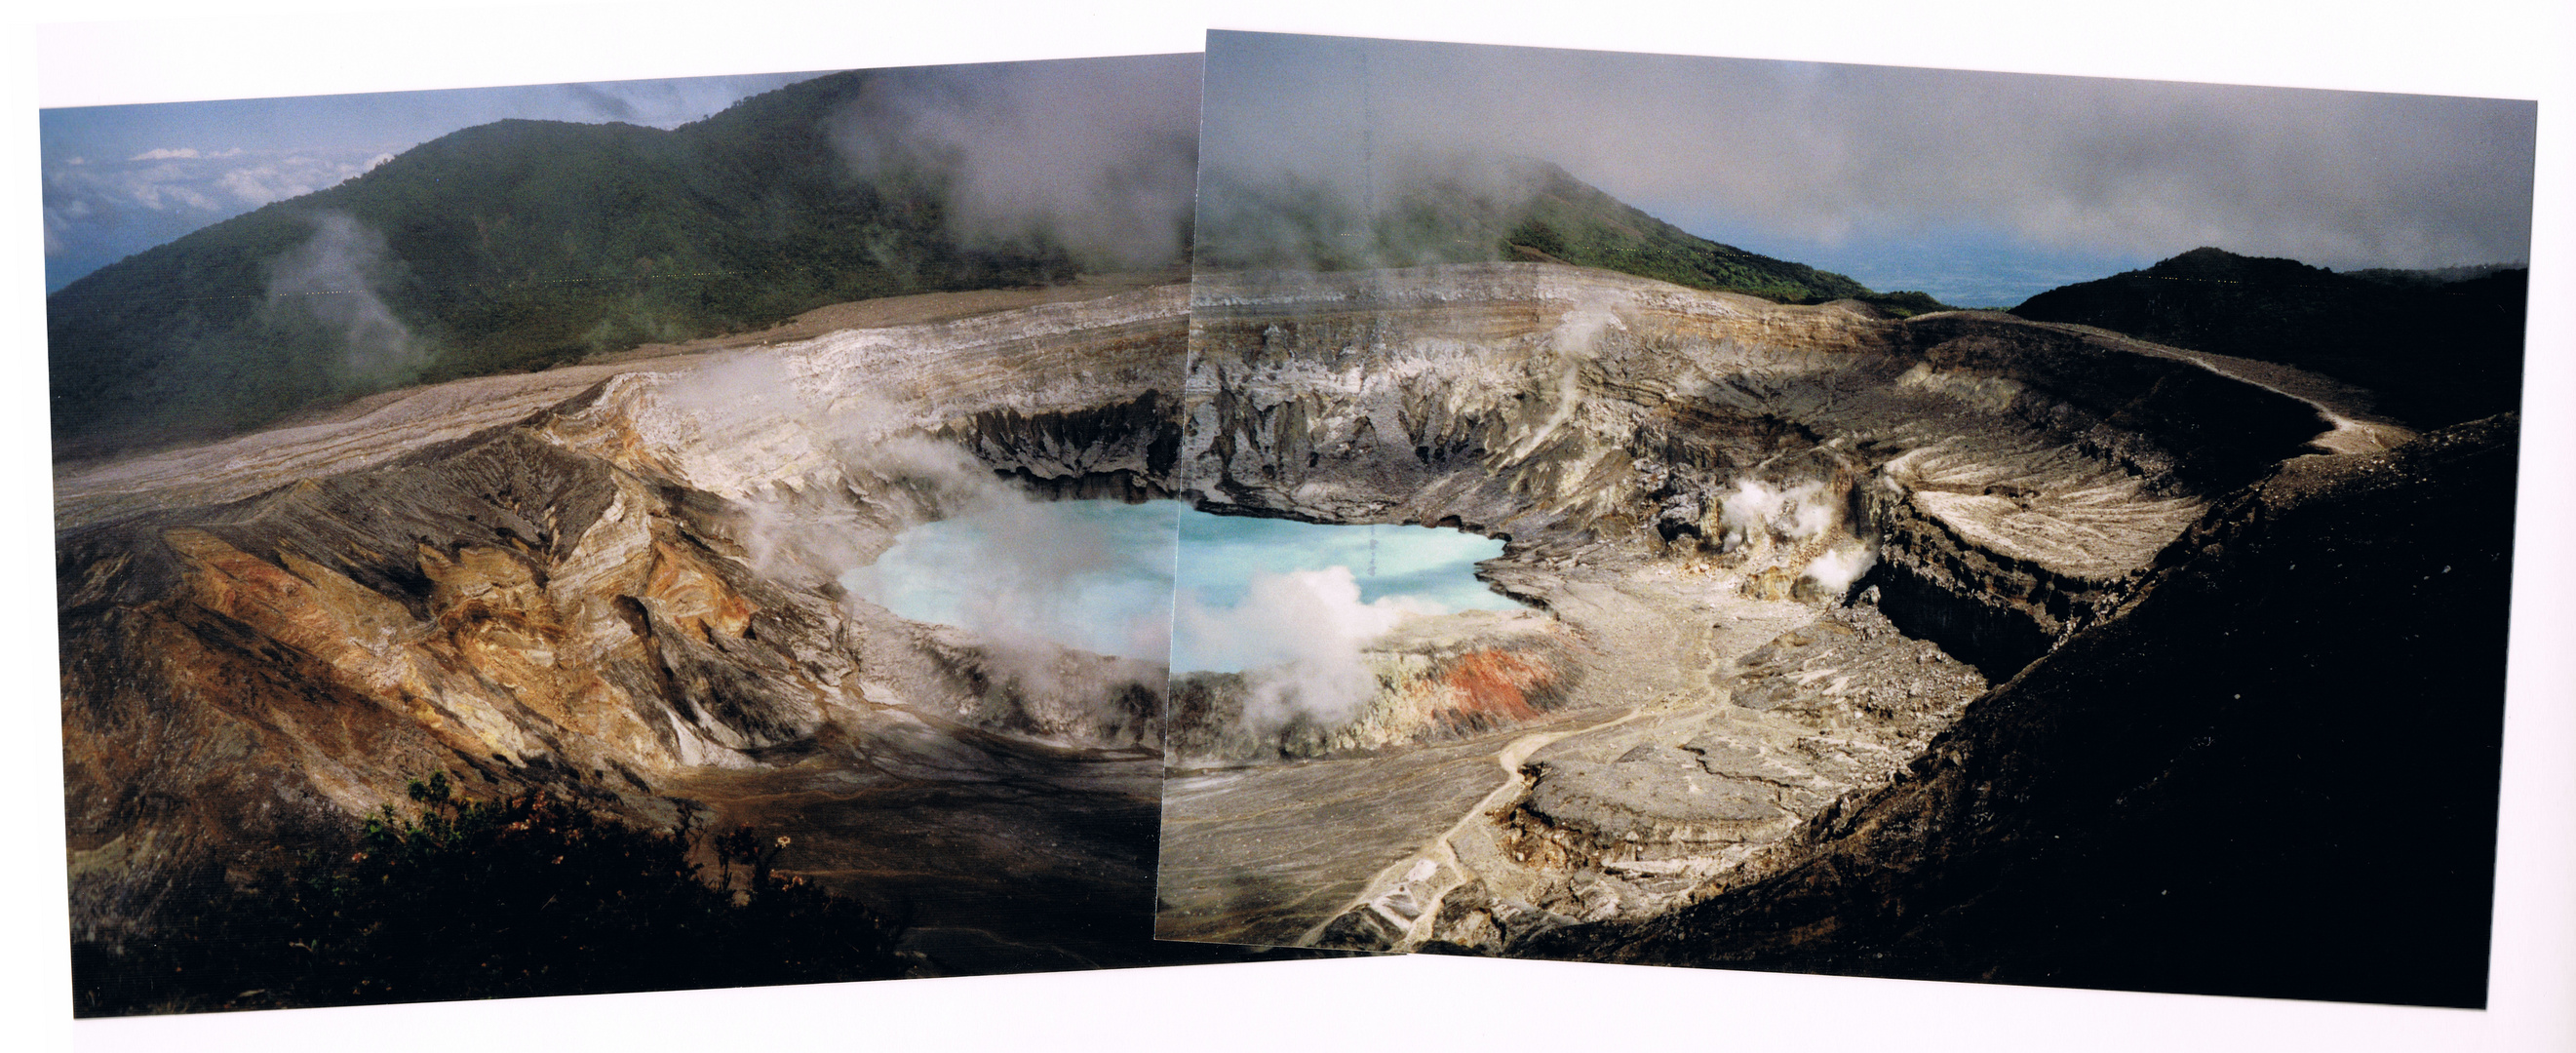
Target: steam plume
{"type": "Point", "coordinates": [1026, 586]}
{"type": "Point", "coordinates": [1298, 636]}
{"type": "Point", "coordinates": [1098, 156]}
{"type": "Point", "coordinates": [1803, 517]}
{"type": "Point", "coordinates": [1757, 512]}
{"type": "Point", "coordinates": [333, 278]}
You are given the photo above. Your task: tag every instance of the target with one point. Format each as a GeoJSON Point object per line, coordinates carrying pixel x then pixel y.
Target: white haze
{"type": "Point", "coordinates": [1572, 341]}
{"type": "Point", "coordinates": [1756, 509]}
{"type": "Point", "coordinates": [1820, 153]}
{"type": "Point", "coordinates": [332, 277]}
{"type": "Point", "coordinates": [1298, 637]}
{"type": "Point", "coordinates": [1095, 575]}
{"type": "Point", "coordinates": [1840, 566]}
{"type": "Point", "coordinates": [1033, 567]}
{"type": "Point", "coordinates": [1758, 512]}
{"type": "Point", "coordinates": [1099, 155]}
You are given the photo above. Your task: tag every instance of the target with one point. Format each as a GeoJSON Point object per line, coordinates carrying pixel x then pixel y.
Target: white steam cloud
{"type": "Point", "coordinates": [1840, 566]}
{"type": "Point", "coordinates": [333, 278]}
{"type": "Point", "coordinates": [1767, 517]}
{"type": "Point", "coordinates": [1099, 156]}
{"type": "Point", "coordinates": [1298, 638]}
{"type": "Point", "coordinates": [1758, 511]}
{"type": "Point", "coordinates": [1572, 341]}
{"type": "Point", "coordinates": [1032, 571]}
{"type": "Point", "coordinates": [1027, 576]}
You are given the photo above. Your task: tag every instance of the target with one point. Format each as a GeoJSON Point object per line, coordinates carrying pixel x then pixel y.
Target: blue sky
{"type": "Point", "coordinates": [121, 179]}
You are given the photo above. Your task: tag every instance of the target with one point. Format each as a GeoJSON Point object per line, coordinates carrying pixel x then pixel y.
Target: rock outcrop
{"type": "Point", "coordinates": [2272, 770]}
{"type": "Point", "coordinates": [607, 581]}
{"type": "Point", "coordinates": [2000, 482]}
{"type": "Point", "coordinates": [1805, 560]}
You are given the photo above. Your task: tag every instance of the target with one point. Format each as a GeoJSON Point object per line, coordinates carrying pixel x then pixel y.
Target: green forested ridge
{"type": "Point", "coordinates": [1544, 214]}
{"type": "Point", "coordinates": [1573, 221]}
{"type": "Point", "coordinates": [508, 246]}
{"type": "Point", "coordinates": [522, 244]}
{"type": "Point", "coordinates": [2435, 347]}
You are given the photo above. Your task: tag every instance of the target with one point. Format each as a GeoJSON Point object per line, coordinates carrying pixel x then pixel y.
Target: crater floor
{"type": "Point", "coordinates": [1785, 548]}
{"type": "Point", "coordinates": [617, 583]}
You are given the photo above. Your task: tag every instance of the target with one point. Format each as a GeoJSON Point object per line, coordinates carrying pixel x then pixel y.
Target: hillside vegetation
{"type": "Point", "coordinates": [509, 246]}
{"type": "Point", "coordinates": [1538, 213]}
{"type": "Point", "coordinates": [2436, 347]}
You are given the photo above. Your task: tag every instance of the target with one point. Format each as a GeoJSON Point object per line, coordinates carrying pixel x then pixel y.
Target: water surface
{"type": "Point", "coordinates": [1103, 575]}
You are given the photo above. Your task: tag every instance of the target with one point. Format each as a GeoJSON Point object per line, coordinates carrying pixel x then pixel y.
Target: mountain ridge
{"type": "Point", "coordinates": [1527, 211]}
{"type": "Point", "coordinates": [2434, 352]}
{"type": "Point", "coordinates": [512, 245]}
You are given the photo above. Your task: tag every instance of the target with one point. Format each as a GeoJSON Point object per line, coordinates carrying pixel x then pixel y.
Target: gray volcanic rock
{"type": "Point", "coordinates": [1843, 702]}
{"type": "Point", "coordinates": [1682, 478]}
{"type": "Point", "coordinates": [2006, 479]}
{"type": "Point", "coordinates": [2271, 770]}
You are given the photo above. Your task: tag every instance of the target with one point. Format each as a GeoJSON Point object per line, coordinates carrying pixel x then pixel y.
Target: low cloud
{"type": "Point", "coordinates": [101, 211]}
{"type": "Point", "coordinates": [1825, 153]}
{"type": "Point", "coordinates": [662, 104]}
{"type": "Point", "coordinates": [1098, 156]}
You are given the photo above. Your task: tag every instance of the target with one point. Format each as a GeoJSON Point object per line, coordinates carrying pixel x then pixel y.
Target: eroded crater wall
{"type": "Point", "coordinates": [596, 581]}
{"type": "Point", "coordinates": [1998, 482]}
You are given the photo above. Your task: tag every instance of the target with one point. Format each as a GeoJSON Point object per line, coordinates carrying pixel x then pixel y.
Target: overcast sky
{"type": "Point", "coordinates": [1980, 188]}
{"type": "Point", "coordinates": [121, 179]}
{"type": "Point", "coordinates": [1974, 186]}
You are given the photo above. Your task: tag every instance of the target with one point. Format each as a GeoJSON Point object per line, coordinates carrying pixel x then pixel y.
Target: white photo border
{"type": "Point", "coordinates": [164, 50]}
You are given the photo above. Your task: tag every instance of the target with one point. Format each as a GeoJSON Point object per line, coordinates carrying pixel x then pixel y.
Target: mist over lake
{"type": "Point", "coordinates": [1131, 557]}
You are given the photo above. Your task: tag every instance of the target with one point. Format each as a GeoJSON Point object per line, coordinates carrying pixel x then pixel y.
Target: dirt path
{"type": "Point", "coordinates": [1439, 851]}
{"type": "Point", "coordinates": [2355, 429]}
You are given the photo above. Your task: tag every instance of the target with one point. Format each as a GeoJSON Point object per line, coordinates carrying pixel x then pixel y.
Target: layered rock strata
{"type": "Point", "coordinates": [2271, 770]}
{"type": "Point", "coordinates": [1693, 485]}
{"type": "Point", "coordinates": [608, 581]}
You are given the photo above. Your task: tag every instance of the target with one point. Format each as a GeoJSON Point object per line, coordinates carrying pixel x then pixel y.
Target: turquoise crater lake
{"type": "Point", "coordinates": [1161, 580]}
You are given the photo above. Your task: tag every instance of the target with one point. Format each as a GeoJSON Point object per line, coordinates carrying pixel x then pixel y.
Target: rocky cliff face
{"type": "Point", "coordinates": [1789, 550]}
{"type": "Point", "coordinates": [1999, 482]}
{"type": "Point", "coordinates": [606, 583]}
{"type": "Point", "coordinates": [2271, 770]}
{"type": "Point", "coordinates": [1798, 579]}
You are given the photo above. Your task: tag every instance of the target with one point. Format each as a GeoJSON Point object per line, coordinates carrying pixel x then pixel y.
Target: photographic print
{"type": "Point", "coordinates": [1958, 526]}
{"type": "Point", "coordinates": [622, 536]}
